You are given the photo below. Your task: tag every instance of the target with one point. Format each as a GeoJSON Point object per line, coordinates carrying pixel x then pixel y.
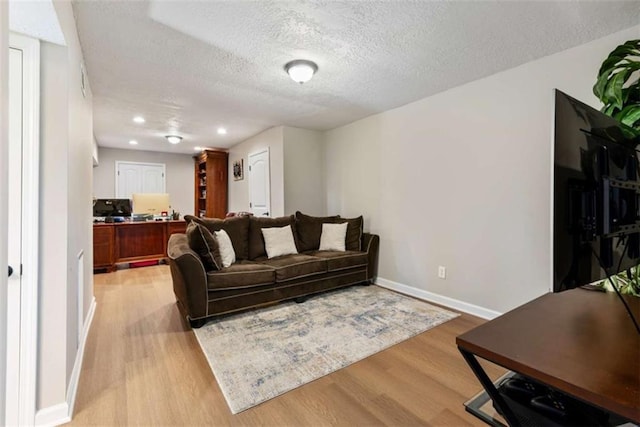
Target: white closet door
{"type": "Point", "coordinates": [153, 179]}
{"type": "Point", "coordinates": [139, 178]}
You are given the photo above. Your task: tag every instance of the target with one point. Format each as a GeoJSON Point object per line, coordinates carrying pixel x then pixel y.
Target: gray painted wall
{"type": "Point", "coordinates": [463, 179]}
{"type": "Point", "coordinates": [178, 168]}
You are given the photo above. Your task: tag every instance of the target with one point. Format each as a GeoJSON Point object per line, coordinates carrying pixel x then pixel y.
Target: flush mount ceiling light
{"type": "Point", "coordinates": [133, 142]}
{"type": "Point", "coordinates": [138, 119]}
{"type": "Point", "coordinates": [301, 70]}
{"type": "Point", "coordinates": [197, 148]}
{"type": "Point", "coordinates": [222, 131]}
{"type": "Point", "coordinates": [174, 139]}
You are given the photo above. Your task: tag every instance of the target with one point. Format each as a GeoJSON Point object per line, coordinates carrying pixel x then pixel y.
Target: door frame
{"type": "Point", "coordinates": [30, 226]}
{"type": "Point", "coordinates": [255, 153]}
{"type": "Point", "coordinates": [126, 162]}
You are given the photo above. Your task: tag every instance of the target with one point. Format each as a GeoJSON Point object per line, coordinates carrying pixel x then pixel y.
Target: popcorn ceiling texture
{"type": "Point", "coordinates": [190, 67]}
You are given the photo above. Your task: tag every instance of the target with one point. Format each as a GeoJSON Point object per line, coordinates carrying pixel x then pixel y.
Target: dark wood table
{"type": "Point", "coordinates": [579, 342]}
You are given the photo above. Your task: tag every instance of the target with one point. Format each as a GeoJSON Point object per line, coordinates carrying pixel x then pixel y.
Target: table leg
{"type": "Point", "coordinates": [491, 390]}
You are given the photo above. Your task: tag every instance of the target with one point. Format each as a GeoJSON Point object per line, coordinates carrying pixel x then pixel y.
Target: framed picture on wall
{"type": "Point", "coordinates": [238, 170]}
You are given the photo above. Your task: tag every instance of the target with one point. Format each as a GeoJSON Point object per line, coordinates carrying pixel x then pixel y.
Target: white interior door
{"type": "Point", "coordinates": [23, 231]}
{"type": "Point", "coordinates": [259, 183]}
{"type": "Point", "coordinates": [14, 238]}
{"type": "Point", "coordinates": [139, 178]}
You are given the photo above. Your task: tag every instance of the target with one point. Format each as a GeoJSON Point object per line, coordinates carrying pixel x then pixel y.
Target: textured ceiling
{"type": "Point", "coordinates": [36, 19]}
{"type": "Point", "coordinates": [190, 67]}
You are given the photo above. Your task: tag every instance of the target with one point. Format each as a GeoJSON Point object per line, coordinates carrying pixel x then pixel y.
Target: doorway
{"type": "Point", "coordinates": [259, 183]}
{"type": "Point", "coordinates": [23, 235]}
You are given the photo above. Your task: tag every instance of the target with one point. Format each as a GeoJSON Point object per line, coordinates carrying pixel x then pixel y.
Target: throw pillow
{"type": "Point", "coordinates": [278, 241]}
{"type": "Point", "coordinates": [202, 242]}
{"type": "Point", "coordinates": [309, 229]}
{"type": "Point", "coordinates": [237, 229]}
{"type": "Point", "coordinates": [257, 224]}
{"type": "Point", "coordinates": [333, 237]}
{"type": "Point", "coordinates": [227, 253]}
{"type": "Point", "coordinates": [354, 233]}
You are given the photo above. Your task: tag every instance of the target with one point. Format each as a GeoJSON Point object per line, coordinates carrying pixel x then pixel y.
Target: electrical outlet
{"type": "Point", "coordinates": [442, 272]}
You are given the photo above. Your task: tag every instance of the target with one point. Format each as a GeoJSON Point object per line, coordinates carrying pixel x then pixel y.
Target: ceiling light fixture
{"type": "Point", "coordinates": [174, 139]}
{"type": "Point", "coordinates": [133, 142]}
{"type": "Point", "coordinates": [222, 131]}
{"type": "Point", "coordinates": [138, 119]}
{"type": "Point", "coordinates": [197, 148]}
{"type": "Point", "coordinates": [301, 70]}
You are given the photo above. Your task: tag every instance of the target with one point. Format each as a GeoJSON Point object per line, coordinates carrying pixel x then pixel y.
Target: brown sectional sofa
{"type": "Point", "coordinates": [254, 280]}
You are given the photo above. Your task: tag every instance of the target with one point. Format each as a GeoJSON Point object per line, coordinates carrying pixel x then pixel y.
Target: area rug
{"type": "Point", "coordinates": [260, 354]}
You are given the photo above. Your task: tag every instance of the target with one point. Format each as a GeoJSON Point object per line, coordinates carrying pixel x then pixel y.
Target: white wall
{"type": "Point", "coordinates": [239, 190]}
{"type": "Point", "coordinates": [179, 169]}
{"type": "Point", "coordinates": [303, 171]}
{"type": "Point", "coordinates": [462, 179]}
{"type": "Point", "coordinates": [4, 146]}
{"type": "Point", "coordinates": [66, 221]}
{"type": "Point", "coordinates": [80, 167]}
{"type": "Point", "coordinates": [53, 280]}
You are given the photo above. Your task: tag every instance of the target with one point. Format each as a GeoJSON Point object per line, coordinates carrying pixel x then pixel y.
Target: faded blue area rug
{"type": "Point", "coordinates": [260, 354]}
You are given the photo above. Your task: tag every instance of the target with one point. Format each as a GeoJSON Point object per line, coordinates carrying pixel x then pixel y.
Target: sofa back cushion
{"type": "Point", "coordinates": [256, 239]}
{"type": "Point", "coordinates": [236, 227]}
{"type": "Point", "coordinates": [353, 240]}
{"type": "Point", "coordinates": [309, 230]}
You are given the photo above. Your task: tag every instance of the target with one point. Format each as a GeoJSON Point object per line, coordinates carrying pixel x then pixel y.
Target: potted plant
{"type": "Point", "coordinates": [618, 87]}
{"type": "Point", "coordinates": [618, 84]}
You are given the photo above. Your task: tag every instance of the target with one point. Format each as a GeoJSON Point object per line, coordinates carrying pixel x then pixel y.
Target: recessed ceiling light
{"type": "Point", "coordinates": [222, 131]}
{"type": "Point", "coordinates": [197, 148]}
{"type": "Point", "coordinates": [301, 70]}
{"type": "Point", "coordinates": [174, 139]}
{"type": "Point", "coordinates": [133, 142]}
{"type": "Point", "coordinates": [138, 119]}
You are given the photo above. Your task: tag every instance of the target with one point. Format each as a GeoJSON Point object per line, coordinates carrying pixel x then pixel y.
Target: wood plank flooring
{"type": "Point", "coordinates": [143, 366]}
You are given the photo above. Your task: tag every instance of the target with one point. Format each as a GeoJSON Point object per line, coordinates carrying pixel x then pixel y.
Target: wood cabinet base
{"type": "Point", "coordinates": [125, 242]}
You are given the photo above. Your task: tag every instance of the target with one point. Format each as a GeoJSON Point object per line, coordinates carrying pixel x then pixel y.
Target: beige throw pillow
{"type": "Point", "coordinates": [227, 253]}
{"type": "Point", "coordinates": [278, 241]}
{"type": "Point", "coordinates": [333, 237]}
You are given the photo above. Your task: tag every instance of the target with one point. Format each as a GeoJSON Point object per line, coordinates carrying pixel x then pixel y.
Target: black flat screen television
{"type": "Point", "coordinates": [111, 207]}
{"type": "Point", "coordinates": [596, 219]}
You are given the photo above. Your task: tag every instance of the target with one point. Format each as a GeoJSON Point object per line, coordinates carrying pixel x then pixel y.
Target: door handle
{"type": "Point", "coordinates": [265, 214]}
{"type": "Point", "coordinates": [10, 271]}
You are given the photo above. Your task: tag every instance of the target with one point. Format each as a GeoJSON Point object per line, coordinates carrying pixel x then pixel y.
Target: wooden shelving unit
{"type": "Point", "coordinates": [211, 174]}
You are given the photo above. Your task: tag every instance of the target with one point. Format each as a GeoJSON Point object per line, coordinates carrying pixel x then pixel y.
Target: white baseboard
{"type": "Point", "coordinates": [63, 412]}
{"type": "Point", "coordinates": [53, 415]}
{"type": "Point", "coordinates": [455, 304]}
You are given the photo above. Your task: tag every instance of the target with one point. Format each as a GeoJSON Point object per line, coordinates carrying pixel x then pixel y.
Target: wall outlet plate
{"type": "Point", "coordinates": [442, 272]}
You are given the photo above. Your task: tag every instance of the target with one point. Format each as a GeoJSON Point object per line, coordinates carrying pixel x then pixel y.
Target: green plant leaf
{"type": "Point", "coordinates": [629, 115]}
{"type": "Point", "coordinates": [601, 84]}
{"type": "Point", "coordinates": [609, 110]}
{"type": "Point", "coordinates": [613, 90]}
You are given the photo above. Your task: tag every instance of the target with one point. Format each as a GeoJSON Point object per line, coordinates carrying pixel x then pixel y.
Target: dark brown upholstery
{"type": "Point", "coordinates": [247, 284]}
{"type": "Point", "coordinates": [337, 260]}
{"type": "Point", "coordinates": [237, 228]}
{"type": "Point", "coordinates": [202, 241]}
{"type": "Point", "coordinates": [309, 230]}
{"type": "Point", "coordinates": [353, 240]}
{"type": "Point", "coordinates": [294, 266]}
{"type": "Point", "coordinates": [256, 239]}
{"type": "Point", "coordinates": [241, 274]}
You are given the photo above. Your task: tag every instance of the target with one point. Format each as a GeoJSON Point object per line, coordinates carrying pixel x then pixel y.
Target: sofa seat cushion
{"type": "Point", "coordinates": [243, 274]}
{"type": "Point", "coordinates": [341, 260]}
{"type": "Point", "coordinates": [290, 267]}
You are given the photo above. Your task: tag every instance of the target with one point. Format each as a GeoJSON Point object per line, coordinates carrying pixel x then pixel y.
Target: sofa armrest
{"type": "Point", "coordinates": [371, 244]}
{"type": "Point", "coordinates": [189, 277]}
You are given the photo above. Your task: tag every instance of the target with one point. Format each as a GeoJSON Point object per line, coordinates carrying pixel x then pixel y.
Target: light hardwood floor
{"type": "Point", "coordinates": [143, 366]}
